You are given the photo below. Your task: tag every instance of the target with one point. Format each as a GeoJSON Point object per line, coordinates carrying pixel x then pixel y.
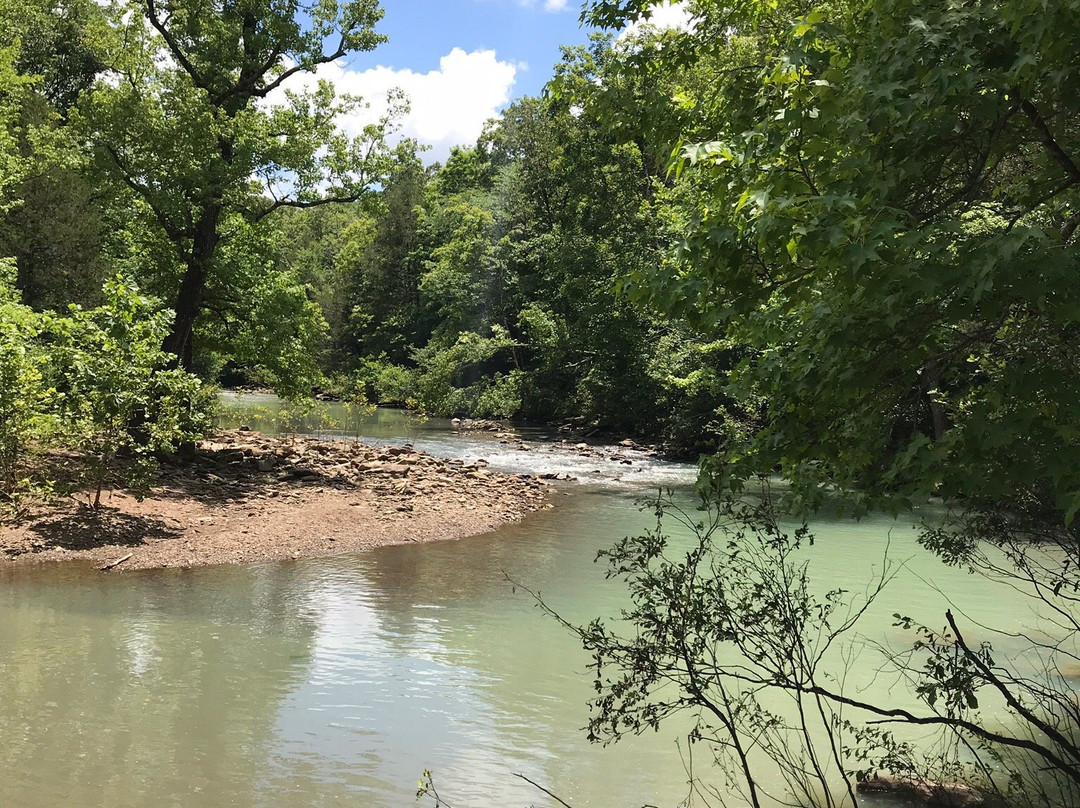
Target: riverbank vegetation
{"type": "Point", "coordinates": [833, 242]}
{"type": "Point", "coordinates": [878, 204]}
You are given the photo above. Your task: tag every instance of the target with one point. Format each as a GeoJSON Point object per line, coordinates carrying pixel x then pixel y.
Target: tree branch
{"type": "Point", "coordinates": [1007, 694]}
{"type": "Point", "coordinates": [262, 92]}
{"type": "Point", "coordinates": [555, 797]}
{"type": "Point", "coordinates": [1047, 137]}
{"type": "Point", "coordinates": [174, 46]}
{"type": "Point", "coordinates": [306, 203]}
{"type": "Point", "coordinates": [172, 231]}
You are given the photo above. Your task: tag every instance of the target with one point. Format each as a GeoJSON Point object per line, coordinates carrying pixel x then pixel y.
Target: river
{"type": "Point", "coordinates": [336, 681]}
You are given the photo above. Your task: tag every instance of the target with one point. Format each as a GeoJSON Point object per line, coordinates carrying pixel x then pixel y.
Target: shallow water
{"type": "Point", "coordinates": [337, 681]}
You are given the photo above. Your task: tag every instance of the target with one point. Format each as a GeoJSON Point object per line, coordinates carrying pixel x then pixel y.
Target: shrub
{"type": "Point", "coordinates": [119, 393]}
{"type": "Point", "coordinates": [24, 418]}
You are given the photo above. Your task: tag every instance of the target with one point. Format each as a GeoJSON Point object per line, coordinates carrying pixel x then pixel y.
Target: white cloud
{"type": "Point", "coordinates": [664, 15]}
{"type": "Point", "coordinates": [549, 5]}
{"type": "Point", "coordinates": [448, 106]}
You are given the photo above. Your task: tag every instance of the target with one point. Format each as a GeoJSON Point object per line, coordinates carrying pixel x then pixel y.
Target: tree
{"type": "Point", "coordinates": [57, 232]}
{"type": "Point", "coordinates": [24, 412]}
{"type": "Point", "coordinates": [116, 396]}
{"type": "Point", "coordinates": [198, 122]}
{"type": "Point", "coordinates": [381, 272]}
{"type": "Point", "coordinates": [878, 206]}
{"type": "Point", "coordinates": [914, 318]}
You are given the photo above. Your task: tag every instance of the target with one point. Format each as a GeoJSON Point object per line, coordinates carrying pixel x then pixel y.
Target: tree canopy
{"type": "Point", "coordinates": [195, 117]}
{"type": "Point", "coordinates": [879, 201]}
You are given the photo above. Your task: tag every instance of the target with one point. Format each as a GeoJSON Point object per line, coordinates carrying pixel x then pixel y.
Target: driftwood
{"type": "Point", "coordinates": [116, 563]}
{"type": "Point", "coordinates": [929, 793]}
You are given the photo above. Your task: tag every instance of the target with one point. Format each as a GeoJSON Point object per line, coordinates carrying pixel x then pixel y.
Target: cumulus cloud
{"type": "Point", "coordinates": [448, 106]}
{"type": "Point", "coordinates": [664, 15]}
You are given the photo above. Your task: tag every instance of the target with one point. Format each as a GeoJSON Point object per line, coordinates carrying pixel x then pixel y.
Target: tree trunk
{"type": "Point", "coordinates": [192, 286]}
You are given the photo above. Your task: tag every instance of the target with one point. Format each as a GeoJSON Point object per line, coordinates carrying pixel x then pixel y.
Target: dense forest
{"type": "Point", "coordinates": [836, 243]}
{"type": "Point", "coordinates": [292, 258]}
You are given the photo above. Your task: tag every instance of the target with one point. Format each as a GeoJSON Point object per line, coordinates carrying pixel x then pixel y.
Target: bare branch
{"type": "Point", "coordinates": [174, 46]}
{"type": "Point", "coordinates": [555, 797]}
{"type": "Point", "coordinates": [285, 202]}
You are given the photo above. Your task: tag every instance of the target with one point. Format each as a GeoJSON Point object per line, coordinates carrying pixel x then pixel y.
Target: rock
{"type": "Point", "coordinates": [628, 444]}
{"type": "Point", "coordinates": [582, 447]}
{"type": "Point", "coordinates": [267, 463]}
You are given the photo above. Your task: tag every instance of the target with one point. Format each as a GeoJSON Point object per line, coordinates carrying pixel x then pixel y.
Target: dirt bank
{"type": "Point", "coordinates": [250, 497]}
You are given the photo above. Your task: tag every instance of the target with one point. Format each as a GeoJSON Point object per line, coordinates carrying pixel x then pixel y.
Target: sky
{"type": "Point", "coordinates": [461, 62]}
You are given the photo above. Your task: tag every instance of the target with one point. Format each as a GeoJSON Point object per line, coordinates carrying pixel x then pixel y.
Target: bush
{"type": "Point", "coordinates": [394, 384]}
{"type": "Point", "coordinates": [118, 392]}
{"type": "Point", "coordinates": [457, 380]}
{"type": "Point", "coordinates": [25, 421]}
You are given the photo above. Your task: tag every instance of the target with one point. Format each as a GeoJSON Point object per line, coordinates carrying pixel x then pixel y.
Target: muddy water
{"type": "Point", "coordinates": [337, 681]}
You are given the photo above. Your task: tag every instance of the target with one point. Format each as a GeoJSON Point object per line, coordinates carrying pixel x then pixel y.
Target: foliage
{"type": "Point", "coordinates": [200, 125]}
{"type": "Point", "coordinates": [56, 233]}
{"type": "Point", "coordinates": [25, 422]}
{"type": "Point", "coordinates": [915, 318]}
{"type": "Point", "coordinates": [878, 207]}
{"type": "Point", "coordinates": [730, 628]}
{"type": "Point", "coordinates": [451, 381]}
{"type": "Point", "coordinates": [715, 631]}
{"type": "Point", "coordinates": [118, 399]}
{"type": "Point", "coordinates": [394, 384]}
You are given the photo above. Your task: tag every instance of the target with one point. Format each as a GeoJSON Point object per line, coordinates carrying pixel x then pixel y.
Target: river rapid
{"type": "Point", "coordinates": [336, 681]}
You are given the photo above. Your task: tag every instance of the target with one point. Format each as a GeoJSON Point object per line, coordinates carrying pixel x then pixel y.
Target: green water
{"type": "Point", "coordinates": [336, 681]}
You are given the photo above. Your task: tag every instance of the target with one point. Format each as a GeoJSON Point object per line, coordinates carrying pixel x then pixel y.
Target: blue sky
{"type": "Point", "coordinates": [460, 62]}
{"type": "Point", "coordinates": [527, 35]}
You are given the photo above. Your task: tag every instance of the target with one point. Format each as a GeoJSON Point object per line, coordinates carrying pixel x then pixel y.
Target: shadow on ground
{"type": "Point", "coordinates": [86, 529]}
{"type": "Point", "coordinates": [223, 477]}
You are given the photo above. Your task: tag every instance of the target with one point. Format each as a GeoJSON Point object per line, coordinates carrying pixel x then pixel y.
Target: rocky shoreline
{"type": "Point", "coordinates": [249, 497]}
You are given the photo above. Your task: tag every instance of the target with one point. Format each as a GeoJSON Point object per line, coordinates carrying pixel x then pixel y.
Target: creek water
{"type": "Point", "coordinates": [336, 681]}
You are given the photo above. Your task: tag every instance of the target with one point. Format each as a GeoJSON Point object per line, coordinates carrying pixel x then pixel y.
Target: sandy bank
{"type": "Point", "coordinates": [249, 497]}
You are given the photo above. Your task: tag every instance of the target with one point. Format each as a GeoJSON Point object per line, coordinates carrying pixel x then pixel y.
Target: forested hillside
{"type": "Point", "coordinates": [492, 285]}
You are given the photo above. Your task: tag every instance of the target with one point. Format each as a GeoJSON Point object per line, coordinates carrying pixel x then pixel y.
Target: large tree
{"type": "Point", "coordinates": [879, 205]}
{"type": "Point", "coordinates": [198, 118]}
{"type": "Point", "coordinates": [881, 202]}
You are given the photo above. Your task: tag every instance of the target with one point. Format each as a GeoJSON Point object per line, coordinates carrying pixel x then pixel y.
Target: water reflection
{"type": "Point", "coordinates": [144, 690]}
